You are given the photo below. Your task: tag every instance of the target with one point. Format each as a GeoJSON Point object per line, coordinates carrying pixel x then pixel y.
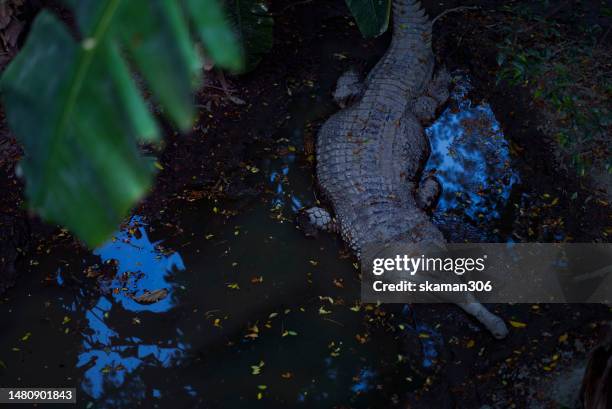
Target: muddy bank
{"type": "Point", "coordinates": [565, 206]}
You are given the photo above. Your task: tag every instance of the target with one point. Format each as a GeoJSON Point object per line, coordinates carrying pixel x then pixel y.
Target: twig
{"type": "Point", "coordinates": [604, 36]}
{"type": "Point", "coordinates": [445, 12]}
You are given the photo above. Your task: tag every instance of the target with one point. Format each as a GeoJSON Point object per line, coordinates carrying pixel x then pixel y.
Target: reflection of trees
{"type": "Point", "coordinates": [471, 158]}
{"type": "Point", "coordinates": [111, 352]}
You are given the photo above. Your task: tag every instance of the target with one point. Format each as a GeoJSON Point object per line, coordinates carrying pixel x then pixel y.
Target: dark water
{"type": "Point", "coordinates": [243, 310]}
{"type": "Point", "coordinates": [471, 159]}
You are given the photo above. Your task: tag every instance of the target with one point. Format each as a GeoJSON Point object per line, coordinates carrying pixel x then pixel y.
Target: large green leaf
{"type": "Point", "coordinates": [254, 26]}
{"type": "Point", "coordinates": [372, 16]}
{"type": "Point", "coordinates": [78, 112]}
{"type": "Point", "coordinates": [218, 37]}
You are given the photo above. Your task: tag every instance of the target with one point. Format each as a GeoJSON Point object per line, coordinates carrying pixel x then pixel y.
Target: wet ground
{"type": "Point", "coordinates": [211, 297]}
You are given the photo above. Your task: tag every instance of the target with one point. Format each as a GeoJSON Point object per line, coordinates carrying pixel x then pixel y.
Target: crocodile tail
{"type": "Point", "coordinates": [409, 18]}
{"type": "Point", "coordinates": [409, 60]}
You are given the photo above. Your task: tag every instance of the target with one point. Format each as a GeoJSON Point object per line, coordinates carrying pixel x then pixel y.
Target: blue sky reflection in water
{"type": "Point", "coordinates": [109, 356]}
{"type": "Point", "coordinates": [471, 159]}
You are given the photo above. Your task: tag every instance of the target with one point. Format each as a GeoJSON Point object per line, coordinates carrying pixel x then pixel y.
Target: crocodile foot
{"type": "Point", "coordinates": [436, 94]}
{"type": "Point", "coordinates": [496, 326]}
{"type": "Point", "coordinates": [428, 193]}
{"type": "Point", "coordinates": [314, 219]}
{"type": "Point", "coordinates": [439, 85]}
{"type": "Point", "coordinates": [348, 88]}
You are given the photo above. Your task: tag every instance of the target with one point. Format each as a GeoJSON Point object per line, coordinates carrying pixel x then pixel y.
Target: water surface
{"type": "Point", "coordinates": [242, 310]}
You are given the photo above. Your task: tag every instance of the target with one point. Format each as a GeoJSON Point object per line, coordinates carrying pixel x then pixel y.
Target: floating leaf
{"type": "Point", "coordinates": [256, 369]}
{"type": "Point", "coordinates": [323, 311]}
{"type": "Point", "coordinates": [518, 324]}
{"type": "Point", "coordinates": [150, 297]}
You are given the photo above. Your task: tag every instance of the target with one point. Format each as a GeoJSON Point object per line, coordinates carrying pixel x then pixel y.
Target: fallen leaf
{"type": "Point", "coordinates": [323, 311]}
{"type": "Point", "coordinates": [518, 324]}
{"type": "Point", "coordinates": [150, 297]}
{"type": "Point", "coordinates": [256, 369]}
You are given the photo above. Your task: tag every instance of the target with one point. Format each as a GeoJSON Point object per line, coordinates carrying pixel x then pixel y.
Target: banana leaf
{"type": "Point", "coordinates": [372, 16]}
{"type": "Point", "coordinates": [75, 106]}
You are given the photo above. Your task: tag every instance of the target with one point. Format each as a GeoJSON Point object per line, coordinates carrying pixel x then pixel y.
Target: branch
{"type": "Point", "coordinates": [445, 12]}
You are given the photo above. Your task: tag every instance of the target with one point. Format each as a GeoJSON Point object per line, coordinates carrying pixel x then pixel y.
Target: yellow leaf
{"type": "Point", "coordinates": [323, 311]}
{"type": "Point", "coordinates": [563, 338]}
{"type": "Point", "coordinates": [471, 343]}
{"type": "Point", "coordinates": [158, 165]}
{"type": "Point", "coordinates": [256, 369]}
{"type": "Point", "coordinates": [518, 324]}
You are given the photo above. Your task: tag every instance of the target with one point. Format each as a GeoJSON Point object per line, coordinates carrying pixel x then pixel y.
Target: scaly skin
{"type": "Point", "coordinates": [371, 154]}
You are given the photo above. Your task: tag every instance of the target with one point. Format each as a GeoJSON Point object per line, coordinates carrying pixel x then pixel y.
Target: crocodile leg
{"type": "Point", "coordinates": [428, 193]}
{"type": "Point", "coordinates": [436, 94]}
{"type": "Point", "coordinates": [348, 88]}
{"type": "Point", "coordinates": [492, 322]}
{"type": "Point", "coordinates": [316, 218]}
{"type": "Point", "coordinates": [439, 86]}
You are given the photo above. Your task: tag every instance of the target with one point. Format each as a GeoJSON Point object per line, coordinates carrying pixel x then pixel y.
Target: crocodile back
{"type": "Point", "coordinates": [370, 155]}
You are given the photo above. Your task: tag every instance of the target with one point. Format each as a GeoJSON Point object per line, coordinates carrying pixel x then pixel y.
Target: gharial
{"type": "Point", "coordinates": [371, 154]}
